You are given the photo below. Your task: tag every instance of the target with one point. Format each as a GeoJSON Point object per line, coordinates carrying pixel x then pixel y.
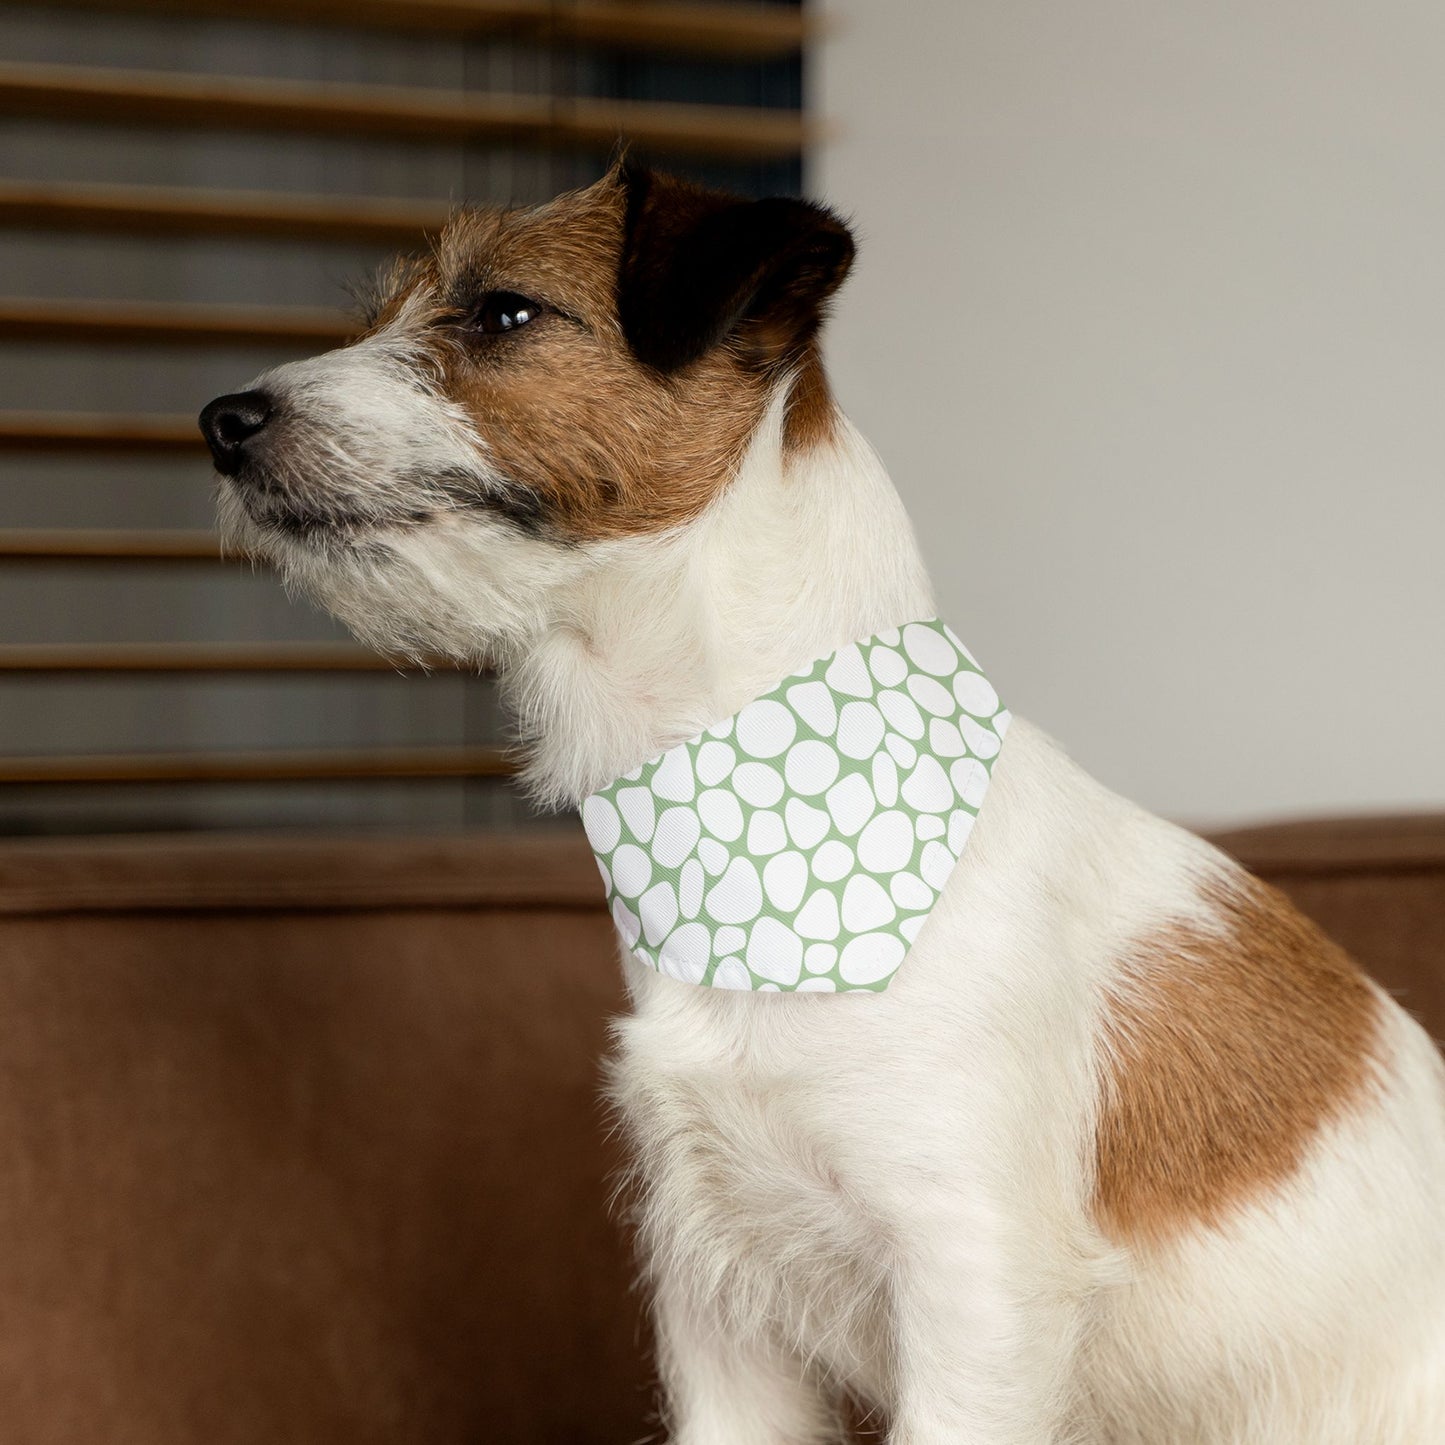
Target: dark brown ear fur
{"type": "Point", "coordinates": [699, 266]}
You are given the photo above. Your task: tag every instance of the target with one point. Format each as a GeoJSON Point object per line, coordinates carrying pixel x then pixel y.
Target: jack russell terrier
{"type": "Point", "coordinates": [956, 1085]}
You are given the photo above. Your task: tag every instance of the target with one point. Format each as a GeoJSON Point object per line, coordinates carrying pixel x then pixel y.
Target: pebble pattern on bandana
{"type": "Point", "coordinates": [800, 844]}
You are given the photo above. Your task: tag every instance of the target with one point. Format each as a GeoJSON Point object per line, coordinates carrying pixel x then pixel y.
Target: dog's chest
{"type": "Point", "coordinates": [746, 1167]}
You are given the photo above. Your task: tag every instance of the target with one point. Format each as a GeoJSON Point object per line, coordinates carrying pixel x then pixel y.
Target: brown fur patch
{"type": "Point", "coordinates": [812, 415]}
{"type": "Point", "coordinates": [1227, 1052]}
{"type": "Point", "coordinates": [602, 444]}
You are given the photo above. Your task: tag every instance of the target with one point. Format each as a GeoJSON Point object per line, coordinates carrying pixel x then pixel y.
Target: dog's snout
{"type": "Point", "coordinates": [229, 422]}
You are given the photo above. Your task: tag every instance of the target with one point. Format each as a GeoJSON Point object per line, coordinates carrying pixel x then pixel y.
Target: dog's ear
{"type": "Point", "coordinates": [700, 266]}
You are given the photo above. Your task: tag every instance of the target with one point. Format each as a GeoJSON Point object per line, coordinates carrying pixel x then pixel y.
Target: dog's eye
{"type": "Point", "coordinates": [504, 311]}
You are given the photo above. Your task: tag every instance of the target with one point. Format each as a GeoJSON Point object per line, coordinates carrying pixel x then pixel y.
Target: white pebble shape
{"type": "Point", "coordinates": [886, 844]}
{"type": "Point", "coordinates": [737, 897]}
{"type": "Point", "coordinates": [960, 825]}
{"type": "Point", "coordinates": [910, 927]}
{"type": "Point", "coordinates": [690, 884]}
{"type": "Point", "coordinates": [713, 855]}
{"type": "Point", "coordinates": [832, 861]}
{"type": "Point", "coordinates": [732, 973]}
{"type": "Point", "coordinates": [865, 905]}
{"type": "Point", "coordinates": [931, 696]}
{"type": "Point", "coordinates": [729, 939]}
{"type": "Point", "coordinates": [945, 739]}
{"type": "Point", "coordinates": [658, 910]}
{"type": "Point", "coordinates": [885, 779]}
{"type": "Point", "coordinates": [910, 892]}
{"type": "Point", "coordinates": [888, 666]}
{"type": "Point", "coordinates": [766, 834]}
{"type": "Point", "coordinates": [975, 694]}
{"type": "Point", "coordinates": [601, 824]}
{"type": "Point", "coordinates": [818, 917]}
{"type": "Point", "coordinates": [981, 740]}
{"type": "Point", "coordinates": [927, 788]}
{"type": "Point", "coordinates": [848, 674]}
{"type": "Point", "coordinates": [902, 713]}
{"type": "Point", "coordinates": [721, 815]}
{"type": "Point", "coordinates": [817, 985]}
{"type": "Point", "coordinates": [814, 704]}
{"type": "Point", "coordinates": [851, 804]}
{"type": "Point", "coordinates": [677, 833]}
{"type": "Point", "coordinates": [686, 953]}
{"type": "Point", "coordinates": [722, 728]}
{"type": "Point", "coordinates": [631, 870]}
{"type": "Point", "coordinates": [930, 650]}
{"type": "Point", "coordinates": [765, 728]}
{"type": "Point", "coordinates": [871, 958]}
{"type": "Point", "coordinates": [936, 863]}
{"type": "Point", "coordinates": [807, 825]}
{"type": "Point", "coordinates": [860, 730]}
{"type": "Point", "coordinates": [970, 778]}
{"type": "Point", "coordinates": [820, 957]}
{"type": "Point", "coordinates": [627, 922]}
{"type": "Point", "coordinates": [785, 877]}
{"type": "Point", "coordinates": [639, 811]}
{"type": "Point", "coordinates": [715, 761]}
{"type": "Point", "coordinates": [775, 952]}
{"type": "Point", "coordinates": [901, 750]}
{"type": "Point", "coordinates": [930, 825]}
{"type": "Point", "coordinates": [758, 784]}
{"type": "Point", "coordinates": [811, 767]}
{"type": "Point", "coordinates": [673, 778]}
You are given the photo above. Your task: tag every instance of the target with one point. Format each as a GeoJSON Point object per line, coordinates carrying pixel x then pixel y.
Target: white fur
{"type": "Point", "coordinates": [890, 1194]}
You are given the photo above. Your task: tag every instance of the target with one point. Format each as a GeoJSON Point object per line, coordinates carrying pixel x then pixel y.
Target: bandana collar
{"type": "Point", "coordinates": [800, 844]}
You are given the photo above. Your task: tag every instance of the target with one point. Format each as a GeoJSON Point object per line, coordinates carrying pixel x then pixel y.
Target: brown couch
{"type": "Point", "coordinates": [302, 1140]}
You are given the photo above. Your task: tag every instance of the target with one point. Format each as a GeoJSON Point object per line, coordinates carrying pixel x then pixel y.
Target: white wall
{"type": "Point", "coordinates": [1149, 324]}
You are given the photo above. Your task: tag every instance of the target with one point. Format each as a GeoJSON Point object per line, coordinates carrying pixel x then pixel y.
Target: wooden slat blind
{"type": "Point", "coordinates": [82, 544]}
{"type": "Point", "coordinates": [171, 211]}
{"type": "Point", "coordinates": [172, 323]}
{"type": "Point", "coordinates": [736, 30]}
{"type": "Point", "coordinates": [271, 766]}
{"type": "Point", "coordinates": [83, 431]}
{"type": "Point", "coordinates": [227, 104]}
{"type": "Point", "coordinates": [222, 102]}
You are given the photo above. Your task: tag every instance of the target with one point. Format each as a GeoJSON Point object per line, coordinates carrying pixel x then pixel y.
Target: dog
{"type": "Point", "coordinates": [1125, 1152]}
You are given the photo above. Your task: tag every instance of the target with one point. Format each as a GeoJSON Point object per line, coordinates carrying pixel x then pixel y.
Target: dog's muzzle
{"type": "Point", "coordinates": [232, 422]}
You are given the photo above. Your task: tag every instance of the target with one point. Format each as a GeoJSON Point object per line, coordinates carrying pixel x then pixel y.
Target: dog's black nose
{"type": "Point", "coordinates": [229, 422]}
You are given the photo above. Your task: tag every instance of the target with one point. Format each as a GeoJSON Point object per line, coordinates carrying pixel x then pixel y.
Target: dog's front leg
{"type": "Point", "coordinates": [985, 1338]}
{"type": "Point", "coordinates": [725, 1387]}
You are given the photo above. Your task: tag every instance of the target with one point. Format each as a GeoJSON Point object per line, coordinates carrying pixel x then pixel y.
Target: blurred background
{"type": "Point", "coordinates": [187, 194]}
{"type": "Point", "coordinates": [1147, 323]}
{"type": "Point", "coordinates": [302, 1009]}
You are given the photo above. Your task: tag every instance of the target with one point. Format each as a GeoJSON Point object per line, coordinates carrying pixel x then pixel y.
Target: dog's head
{"type": "Point", "coordinates": [544, 384]}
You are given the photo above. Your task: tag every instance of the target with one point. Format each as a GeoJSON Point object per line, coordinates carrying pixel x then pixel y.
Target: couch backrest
{"type": "Point", "coordinates": [302, 1138]}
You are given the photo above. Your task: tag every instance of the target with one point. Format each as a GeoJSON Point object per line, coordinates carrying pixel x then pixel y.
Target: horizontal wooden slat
{"type": "Point", "coordinates": [81, 544]}
{"type": "Point", "coordinates": [171, 323]}
{"type": "Point", "coordinates": [174, 211]}
{"type": "Point", "coordinates": [706, 28]}
{"type": "Point", "coordinates": [220, 102]}
{"type": "Point", "coordinates": [84, 431]}
{"type": "Point", "coordinates": [330, 765]}
{"type": "Point", "coordinates": [291, 870]}
{"type": "Point", "coordinates": [192, 657]}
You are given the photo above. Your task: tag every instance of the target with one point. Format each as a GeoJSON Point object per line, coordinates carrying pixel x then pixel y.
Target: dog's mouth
{"type": "Point", "coordinates": [289, 508]}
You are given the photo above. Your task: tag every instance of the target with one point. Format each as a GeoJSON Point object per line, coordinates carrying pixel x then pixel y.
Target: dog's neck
{"type": "Point", "coordinates": [803, 553]}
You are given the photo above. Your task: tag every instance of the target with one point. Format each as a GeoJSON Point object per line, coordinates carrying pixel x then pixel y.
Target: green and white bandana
{"type": "Point", "coordinates": [800, 844]}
